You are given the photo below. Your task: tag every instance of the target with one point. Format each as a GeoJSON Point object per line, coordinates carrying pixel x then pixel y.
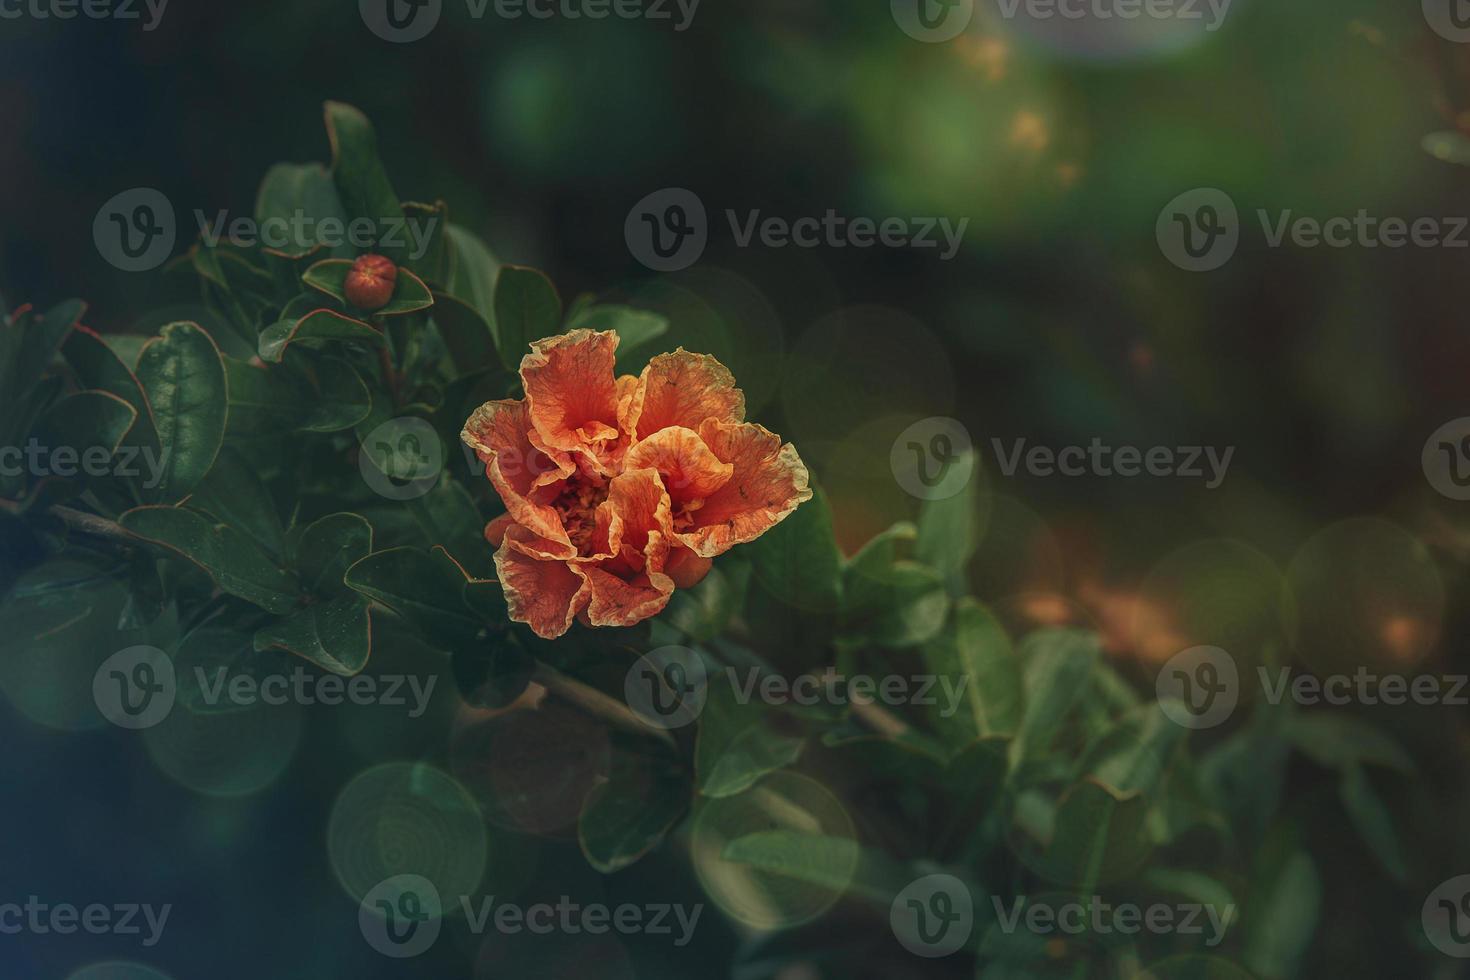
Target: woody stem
{"type": "Point", "coordinates": [594, 702]}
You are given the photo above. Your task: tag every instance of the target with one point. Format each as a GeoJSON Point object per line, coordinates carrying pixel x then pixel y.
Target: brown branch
{"type": "Point", "coordinates": [78, 520]}
{"type": "Point", "coordinates": [594, 702]}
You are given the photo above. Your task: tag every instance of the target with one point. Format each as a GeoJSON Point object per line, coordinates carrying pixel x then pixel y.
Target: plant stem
{"type": "Point", "coordinates": [594, 702]}
{"type": "Point", "coordinates": [79, 521]}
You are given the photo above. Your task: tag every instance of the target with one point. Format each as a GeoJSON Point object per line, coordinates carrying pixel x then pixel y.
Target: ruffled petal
{"type": "Point", "coordinates": [525, 476]}
{"type": "Point", "coordinates": [688, 468]}
{"type": "Point", "coordinates": [686, 568]}
{"type": "Point", "coordinates": [617, 601]}
{"type": "Point", "coordinates": [769, 482]}
{"type": "Point", "coordinates": [682, 389]}
{"type": "Point", "coordinates": [572, 392]}
{"type": "Point", "coordinates": [544, 593]}
{"type": "Point", "coordinates": [640, 520]}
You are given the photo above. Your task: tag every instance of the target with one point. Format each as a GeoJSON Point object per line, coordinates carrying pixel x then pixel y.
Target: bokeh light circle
{"type": "Point", "coordinates": [783, 801]}
{"type": "Point", "coordinates": [407, 818]}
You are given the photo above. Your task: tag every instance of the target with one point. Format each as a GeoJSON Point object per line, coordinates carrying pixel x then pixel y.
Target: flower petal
{"type": "Point", "coordinates": [622, 602]}
{"type": "Point", "coordinates": [572, 391]}
{"type": "Point", "coordinates": [686, 568]}
{"type": "Point", "coordinates": [689, 470]}
{"type": "Point", "coordinates": [769, 482]}
{"type": "Point", "coordinates": [682, 389]}
{"type": "Point", "coordinates": [525, 477]}
{"type": "Point", "coordinates": [641, 519]}
{"type": "Point", "coordinates": [544, 593]}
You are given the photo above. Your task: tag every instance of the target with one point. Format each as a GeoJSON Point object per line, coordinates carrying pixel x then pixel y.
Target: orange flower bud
{"type": "Point", "coordinates": [369, 286]}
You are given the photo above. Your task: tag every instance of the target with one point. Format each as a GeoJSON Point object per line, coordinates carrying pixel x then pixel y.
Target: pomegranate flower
{"type": "Point", "coordinates": [620, 489]}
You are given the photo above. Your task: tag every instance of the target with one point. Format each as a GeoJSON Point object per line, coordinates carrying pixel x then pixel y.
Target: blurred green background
{"type": "Point", "coordinates": [1058, 321]}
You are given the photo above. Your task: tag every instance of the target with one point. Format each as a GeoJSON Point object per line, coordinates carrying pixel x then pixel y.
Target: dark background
{"type": "Point", "coordinates": [1058, 321]}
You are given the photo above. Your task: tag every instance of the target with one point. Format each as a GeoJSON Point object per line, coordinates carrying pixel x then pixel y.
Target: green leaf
{"type": "Point", "coordinates": [1342, 742]}
{"type": "Point", "coordinates": [492, 673]}
{"type": "Point", "coordinates": [797, 561]}
{"type": "Point", "coordinates": [1100, 836]}
{"type": "Point", "coordinates": [27, 346]}
{"type": "Point", "coordinates": [235, 494]}
{"type": "Point", "coordinates": [232, 559]}
{"type": "Point", "coordinates": [306, 189]}
{"type": "Point", "coordinates": [1372, 820]}
{"type": "Point", "coordinates": [472, 276]}
{"type": "Point", "coordinates": [336, 635]}
{"type": "Point", "coordinates": [1056, 669]}
{"type": "Point", "coordinates": [975, 649]}
{"type": "Point", "coordinates": [448, 517]}
{"type": "Point", "coordinates": [315, 329]}
{"type": "Point", "coordinates": [423, 588]}
{"type": "Point", "coordinates": [890, 601]}
{"type": "Point", "coordinates": [949, 530]}
{"type": "Point", "coordinates": [834, 863]}
{"type": "Point", "coordinates": [328, 547]}
{"type": "Point", "coordinates": [86, 420]}
{"type": "Point", "coordinates": [184, 375]}
{"type": "Point", "coordinates": [410, 294]}
{"type": "Point", "coordinates": [98, 367]}
{"type": "Point", "coordinates": [1281, 916]}
{"type": "Point", "coordinates": [466, 333]}
{"type": "Point", "coordinates": [1136, 753]}
{"type": "Point", "coordinates": [704, 612]}
{"type": "Point", "coordinates": [342, 397]}
{"type": "Point", "coordinates": [361, 181]}
{"type": "Point", "coordinates": [628, 815]}
{"type": "Point", "coordinates": [259, 400]}
{"type": "Point", "coordinates": [736, 745]}
{"type": "Point", "coordinates": [527, 309]}
{"type": "Point", "coordinates": [634, 327]}
{"type": "Point", "coordinates": [428, 240]}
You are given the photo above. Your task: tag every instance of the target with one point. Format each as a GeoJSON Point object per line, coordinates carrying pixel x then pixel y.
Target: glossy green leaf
{"type": "Point", "coordinates": [1281, 916]}
{"type": "Point", "coordinates": [290, 190]}
{"type": "Point", "coordinates": [736, 744]}
{"type": "Point", "coordinates": [424, 589]}
{"type": "Point", "coordinates": [634, 327]}
{"type": "Point", "coordinates": [427, 241]}
{"type": "Point", "coordinates": [1374, 824]}
{"type": "Point", "coordinates": [448, 517]}
{"type": "Point", "coordinates": [341, 398]}
{"type": "Point", "coordinates": [627, 815]}
{"type": "Point", "coordinates": [974, 649]}
{"type": "Point", "coordinates": [888, 600]}
{"type": "Point", "coordinates": [472, 276]}
{"type": "Point", "coordinates": [1055, 673]}
{"type": "Point", "coordinates": [335, 634]}
{"type": "Point", "coordinates": [235, 495]}
{"type": "Point", "coordinates": [1099, 837]}
{"type": "Point", "coordinates": [315, 329]}
{"type": "Point", "coordinates": [466, 333]}
{"type": "Point", "coordinates": [949, 530]}
{"type": "Point", "coordinates": [362, 183]}
{"type": "Point", "coordinates": [184, 375]}
{"type": "Point", "coordinates": [1137, 752]}
{"type": "Point", "coordinates": [1340, 742]}
{"type": "Point", "coordinates": [328, 547]}
{"type": "Point", "coordinates": [797, 561]}
{"type": "Point", "coordinates": [233, 559]}
{"type": "Point", "coordinates": [527, 309]}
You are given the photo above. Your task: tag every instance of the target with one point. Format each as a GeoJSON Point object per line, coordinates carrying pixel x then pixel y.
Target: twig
{"type": "Point", "coordinates": [595, 702]}
{"type": "Point", "coordinates": [79, 521]}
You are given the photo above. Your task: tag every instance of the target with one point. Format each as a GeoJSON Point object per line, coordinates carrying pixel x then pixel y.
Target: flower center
{"type": "Point", "coordinates": [577, 507]}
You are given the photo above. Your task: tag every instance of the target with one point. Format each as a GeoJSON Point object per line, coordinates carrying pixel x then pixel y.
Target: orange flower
{"type": "Point", "coordinates": [620, 489]}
